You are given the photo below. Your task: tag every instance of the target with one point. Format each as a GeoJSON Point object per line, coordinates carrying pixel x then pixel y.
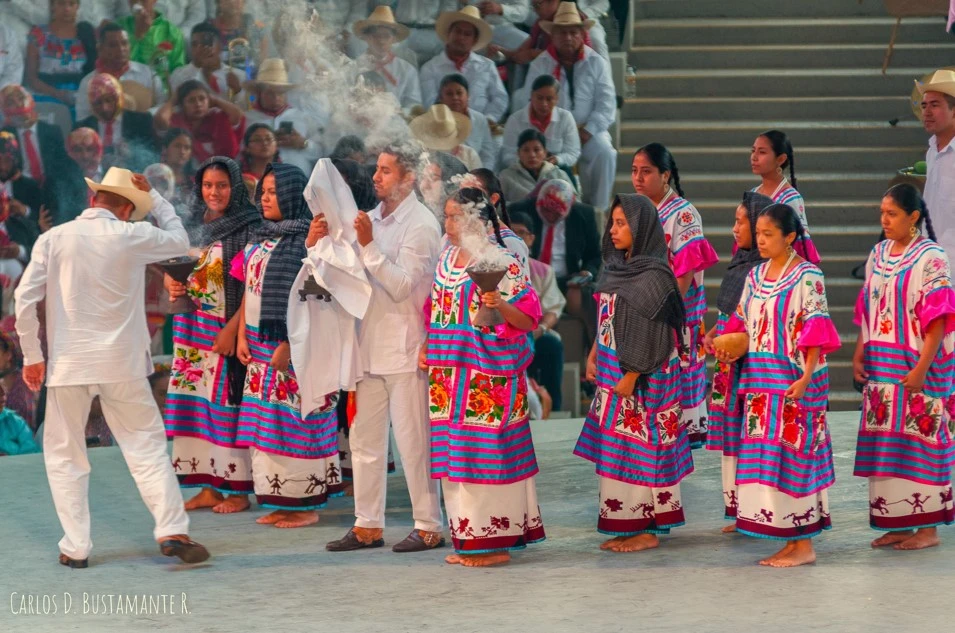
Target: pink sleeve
{"type": "Point", "coordinates": [426, 310]}
{"type": "Point", "coordinates": [807, 250]}
{"type": "Point", "coordinates": [734, 325]}
{"type": "Point", "coordinates": [939, 303]}
{"type": "Point", "coordinates": [237, 267]}
{"type": "Point", "coordinates": [529, 304]}
{"type": "Point", "coordinates": [819, 331]}
{"type": "Point", "coordinates": [695, 257]}
{"type": "Point", "coordinates": [859, 316]}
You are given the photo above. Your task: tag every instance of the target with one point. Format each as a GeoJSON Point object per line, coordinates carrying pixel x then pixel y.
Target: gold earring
{"type": "Point", "coordinates": [790, 250]}
{"type": "Point", "coordinates": [913, 230]}
{"type": "Point", "coordinates": [779, 171]}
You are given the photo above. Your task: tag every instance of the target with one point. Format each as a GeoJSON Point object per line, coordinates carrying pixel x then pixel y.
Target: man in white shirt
{"type": "Point", "coordinates": [464, 32]}
{"type": "Point", "coordinates": [586, 90]}
{"type": "Point", "coordinates": [338, 16]}
{"type": "Point", "coordinates": [381, 32]}
{"type": "Point", "coordinates": [555, 123]}
{"type": "Point", "coordinates": [938, 118]}
{"type": "Point", "coordinates": [399, 242]}
{"type": "Point", "coordinates": [420, 16]}
{"type": "Point", "coordinates": [92, 273]}
{"type": "Point", "coordinates": [205, 50]}
{"type": "Point", "coordinates": [113, 50]}
{"type": "Point", "coordinates": [503, 17]}
{"type": "Point", "coordinates": [11, 57]}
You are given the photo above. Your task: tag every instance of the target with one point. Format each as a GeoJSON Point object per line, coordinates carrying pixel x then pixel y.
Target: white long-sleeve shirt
{"type": "Point", "coordinates": [563, 140]}
{"type": "Point", "coordinates": [480, 140]}
{"type": "Point", "coordinates": [11, 57]}
{"type": "Point", "coordinates": [939, 193]}
{"type": "Point", "coordinates": [304, 159]}
{"type": "Point", "coordinates": [486, 92]}
{"type": "Point", "coordinates": [401, 78]}
{"type": "Point", "coordinates": [400, 261]}
{"type": "Point", "coordinates": [140, 73]}
{"type": "Point", "coordinates": [595, 99]}
{"type": "Point", "coordinates": [421, 12]}
{"type": "Point", "coordinates": [512, 11]}
{"type": "Point", "coordinates": [92, 273]}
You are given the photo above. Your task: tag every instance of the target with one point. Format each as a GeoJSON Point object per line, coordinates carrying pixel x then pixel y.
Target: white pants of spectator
{"type": "Point", "coordinates": [598, 170]}
{"type": "Point", "coordinates": [10, 272]}
{"type": "Point", "coordinates": [404, 399]}
{"type": "Point", "coordinates": [424, 43]}
{"type": "Point", "coordinates": [508, 36]}
{"type": "Point", "coordinates": [133, 418]}
{"type": "Point", "coordinates": [598, 40]}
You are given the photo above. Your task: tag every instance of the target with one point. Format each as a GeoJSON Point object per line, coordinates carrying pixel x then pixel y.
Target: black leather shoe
{"type": "Point", "coordinates": [186, 551]}
{"type": "Point", "coordinates": [350, 543]}
{"type": "Point", "coordinates": [74, 563]}
{"type": "Point", "coordinates": [419, 541]}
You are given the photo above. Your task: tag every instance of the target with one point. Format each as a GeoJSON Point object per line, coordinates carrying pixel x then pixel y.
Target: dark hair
{"type": "Point", "coordinates": [782, 147]}
{"type": "Point", "coordinates": [545, 81]}
{"type": "Point", "coordinates": [372, 79]}
{"type": "Point", "coordinates": [109, 27]}
{"type": "Point", "coordinates": [9, 345]}
{"type": "Point", "coordinates": [909, 199]}
{"type": "Point", "coordinates": [360, 183]}
{"type": "Point", "coordinates": [786, 218]}
{"type": "Point", "coordinates": [493, 186]}
{"type": "Point", "coordinates": [187, 87]}
{"type": "Point", "coordinates": [205, 27]}
{"type": "Point", "coordinates": [407, 155]}
{"type": "Point", "coordinates": [171, 135]}
{"type": "Point", "coordinates": [530, 134]}
{"type": "Point", "coordinates": [662, 159]}
{"type": "Point", "coordinates": [454, 78]}
{"type": "Point", "coordinates": [252, 129]}
{"type": "Point", "coordinates": [348, 145]}
{"type": "Point", "coordinates": [473, 195]}
{"type": "Point", "coordinates": [523, 219]}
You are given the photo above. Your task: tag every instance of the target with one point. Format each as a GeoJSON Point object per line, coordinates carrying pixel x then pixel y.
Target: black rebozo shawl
{"type": "Point", "coordinates": [734, 280]}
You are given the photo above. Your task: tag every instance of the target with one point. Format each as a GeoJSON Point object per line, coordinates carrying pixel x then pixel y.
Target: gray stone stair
{"type": "Point", "coordinates": [713, 74]}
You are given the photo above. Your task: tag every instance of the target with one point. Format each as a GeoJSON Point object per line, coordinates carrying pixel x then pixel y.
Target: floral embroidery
{"type": "Point", "coordinates": [756, 415]}
{"type": "Point", "coordinates": [253, 380]}
{"type": "Point", "coordinates": [187, 369]}
{"type": "Point", "coordinates": [721, 384]}
{"type": "Point", "coordinates": [487, 398]}
{"type": "Point", "coordinates": [285, 391]}
{"type": "Point", "coordinates": [632, 420]}
{"type": "Point", "coordinates": [793, 431]}
{"type": "Point", "coordinates": [877, 402]}
{"type": "Point", "coordinates": [924, 417]}
{"type": "Point", "coordinates": [669, 423]}
{"type": "Point", "coordinates": [439, 391]}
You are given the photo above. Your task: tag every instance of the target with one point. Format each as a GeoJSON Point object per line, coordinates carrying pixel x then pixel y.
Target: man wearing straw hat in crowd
{"type": "Point", "coordinates": [440, 129]}
{"type": "Point", "coordinates": [587, 90]}
{"type": "Point", "coordinates": [92, 272]}
{"type": "Point", "coordinates": [938, 118]}
{"type": "Point", "coordinates": [298, 135]}
{"type": "Point", "coordinates": [464, 32]}
{"type": "Point", "coordinates": [420, 17]}
{"type": "Point", "coordinates": [381, 32]}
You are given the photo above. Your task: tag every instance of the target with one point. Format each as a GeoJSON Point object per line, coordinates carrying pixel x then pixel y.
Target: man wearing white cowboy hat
{"type": "Point", "coordinates": [464, 32]}
{"type": "Point", "coordinates": [443, 130]}
{"type": "Point", "coordinates": [938, 118]}
{"type": "Point", "coordinates": [298, 134]}
{"type": "Point", "coordinates": [587, 90]}
{"type": "Point", "coordinates": [503, 15]}
{"type": "Point", "coordinates": [381, 32]}
{"type": "Point", "coordinates": [92, 272]}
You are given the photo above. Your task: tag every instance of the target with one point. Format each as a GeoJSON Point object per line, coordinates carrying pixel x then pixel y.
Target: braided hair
{"type": "Point", "coordinates": [663, 160]}
{"type": "Point", "coordinates": [492, 185]}
{"type": "Point", "coordinates": [782, 147]}
{"type": "Point", "coordinates": [909, 199]}
{"type": "Point", "coordinates": [478, 199]}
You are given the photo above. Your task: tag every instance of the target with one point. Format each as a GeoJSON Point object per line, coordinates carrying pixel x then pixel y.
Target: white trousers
{"type": "Point", "coordinates": [425, 44]}
{"type": "Point", "coordinates": [133, 417]}
{"type": "Point", "coordinates": [404, 399]}
{"type": "Point", "coordinates": [508, 36]}
{"type": "Point", "coordinates": [598, 170]}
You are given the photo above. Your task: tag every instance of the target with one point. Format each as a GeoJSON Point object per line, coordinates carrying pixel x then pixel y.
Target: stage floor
{"type": "Point", "coordinates": [265, 579]}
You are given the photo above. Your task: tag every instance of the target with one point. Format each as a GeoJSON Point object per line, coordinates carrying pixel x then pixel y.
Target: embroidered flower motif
{"type": "Point", "coordinates": [614, 505]}
{"type": "Point", "coordinates": [671, 425]}
{"type": "Point", "coordinates": [926, 425]}
{"type": "Point", "coordinates": [500, 523]}
{"type": "Point", "coordinates": [820, 289]}
{"type": "Point", "coordinates": [885, 327]}
{"type": "Point", "coordinates": [634, 421]}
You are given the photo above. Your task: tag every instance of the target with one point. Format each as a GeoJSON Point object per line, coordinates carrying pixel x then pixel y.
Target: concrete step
{"type": "Point", "coordinates": [742, 55]}
{"type": "Point", "coordinates": [777, 82]}
{"type": "Point", "coordinates": [697, 133]}
{"type": "Point", "coordinates": [770, 30]}
{"type": "Point", "coordinates": [808, 158]}
{"type": "Point", "coordinates": [719, 214]}
{"type": "Point", "coordinates": [667, 9]}
{"type": "Point", "coordinates": [793, 108]}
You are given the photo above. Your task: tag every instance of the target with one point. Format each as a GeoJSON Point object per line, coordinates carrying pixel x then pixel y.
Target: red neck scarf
{"type": "Point", "coordinates": [272, 113]}
{"type": "Point", "coordinates": [559, 68]}
{"type": "Point", "coordinates": [380, 67]}
{"type": "Point", "coordinates": [540, 124]}
{"type": "Point", "coordinates": [458, 61]}
{"type": "Point", "coordinates": [102, 68]}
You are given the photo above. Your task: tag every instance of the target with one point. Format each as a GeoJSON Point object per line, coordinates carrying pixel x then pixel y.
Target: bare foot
{"type": "Point", "coordinates": [453, 559]}
{"type": "Point", "coordinates": [891, 538]}
{"type": "Point", "coordinates": [298, 519]}
{"type": "Point", "coordinates": [728, 529]}
{"type": "Point", "coordinates": [232, 503]}
{"type": "Point", "coordinates": [207, 498]}
{"type": "Point", "coordinates": [787, 548]}
{"type": "Point", "coordinates": [485, 560]}
{"type": "Point", "coordinates": [349, 490]}
{"type": "Point", "coordinates": [609, 544]}
{"type": "Point", "coordinates": [272, 517]}
{"type": "Point", "coordinates": [924, 537]}
{"type": "Point", "coordinates": [801, 554]}
{"type": "Point", "coordinates": [636, 543]}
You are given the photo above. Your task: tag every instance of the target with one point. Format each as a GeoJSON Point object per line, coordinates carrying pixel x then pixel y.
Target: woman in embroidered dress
{"type": "Point", "coordinates": [904, 355]}
{"type": "Point", "coordinates": [59, 54]}
{"type": "Point", "coordinates": [294, 453]}
{"type": "Point", "coordinates": [481, 445]}
{"type": "Point", "coordinates": [725, 422]}
{"type": "Point", "coordinates": [206, 378]}
{"type": "Point", "coordinates": [771, 154]}
{"type": "Point", "coordinates": [633, 432]}
{"type": "Point", "coordinates": [785, 454]}
{"type": "Point", "coordinates": [655, 175]}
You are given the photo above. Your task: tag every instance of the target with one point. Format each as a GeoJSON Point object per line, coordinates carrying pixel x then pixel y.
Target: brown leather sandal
{"type": "Point", "coordinates": [187, 551]}
{"type": "Point", "coordinates": [74, 563]}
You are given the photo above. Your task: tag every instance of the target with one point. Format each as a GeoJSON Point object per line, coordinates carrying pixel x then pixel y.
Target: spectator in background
{"type": "Point", "coordinates": [299, 138]}
{"type": "Point", "coordinates": [164, 181]}
{"type": "Point", "coordinates": [41, 144]}
{"type": "Point", "coordinates": [216, 126]}
{"type": "Point", "coordinates": [539, 40]}
{"type": "Point", "coordinates": [11, 57]}
{"type": "Point", "coordinates": [464, 32]}
{"type": "Point", "coordinates": [337, 18]}
{"type": "Point", "coordinates": [183, 14]}
{"type": "Point", "coordinates": [503, 17]}
{"type": "Point", "coordinates": [85, 147]}
{"type": "Point", "coordinates": [520, 178]}
{"type": "Point", "coordinates": [113, 59]}
{"type": "Point", "coordinates": [556, 124]}
{"type": "Point", "coordinates": [350, 148]}
{"type": "Point", "coordinates": [443, 130]}
{"type": "Point", "coordinates": [16, 437]}
{"type": "Point", "coordinates": [258, 150]}
{"type": "Point", "coordinates": [21, 202]}
{"type": "Point", "coordinates": [434, 185]}
{"type": "Point", "coordinates": [586, 90]}
{"type": "Point", "coordinates": [381, 32]}
{"type": "Point", "coordinates": [206, 64]}
{"type": "Point", "coordinates": [127, 136]}
{"type": "Point", "coordinates": [59, 54]}
{"type": "Point", "coordinates": [19, 397]}
{"type": "Point", "coordinates": [232, 22]}
{"type": "Point", "coordinates": [421, 17]}
{"type": "Point", "coordinates": [176, 152]}
{"type": "Point", "coordinates": [547, 368]}
{"type": "Point", "coordinates": [155, 41]}
{"type": "Point", "coordinates": [454, 94]}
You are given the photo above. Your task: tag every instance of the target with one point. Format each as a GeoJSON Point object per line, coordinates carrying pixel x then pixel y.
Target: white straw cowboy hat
{"type": "Point", "coordinates": [469, 14]}
{"type": "Point", "coordinates": [120, 181]}
{"type": "Point", "coordinates": [272, 74]}
{"type": "Point", "coordinates": [382, 16]}
{"type": "Point", "coordinates": [942, 80]}
{"type": "Point", "coordinates": [441, 129]}
{"type": "Point", "coordinates": [567, 15]}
